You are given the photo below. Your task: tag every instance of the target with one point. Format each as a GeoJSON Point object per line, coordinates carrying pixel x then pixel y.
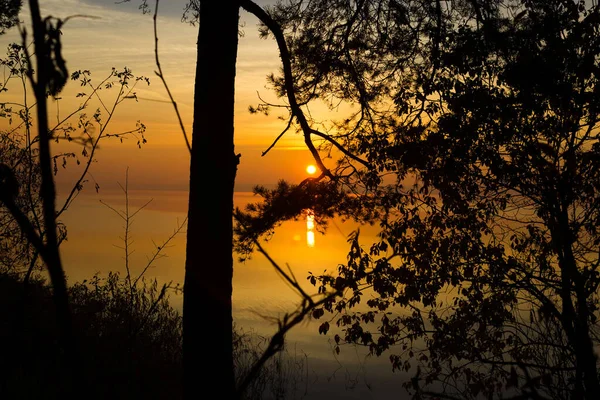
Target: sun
{"type": "Point", "coordinates": [311, 169]}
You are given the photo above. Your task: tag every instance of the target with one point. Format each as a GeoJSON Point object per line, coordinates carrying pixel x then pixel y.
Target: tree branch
{"type": "Point", "coordinates": [159, 73]}
{"type": "Point", "coordinates": [284, 53]}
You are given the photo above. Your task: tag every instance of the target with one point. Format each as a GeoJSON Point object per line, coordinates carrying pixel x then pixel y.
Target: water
{"type": "Point", "coordinates": [95, 245]}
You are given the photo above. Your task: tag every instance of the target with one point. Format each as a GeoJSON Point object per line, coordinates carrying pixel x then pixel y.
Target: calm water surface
{"type": "Point", "coordinates": [94, 245]}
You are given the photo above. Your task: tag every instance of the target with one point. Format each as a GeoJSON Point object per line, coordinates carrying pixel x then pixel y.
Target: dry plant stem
{"type": "Point", "coordinates": [157, 253]}
{"type": "Point", "coordinates": [159, 73]}
{"type": "Point", "coordinates": [128, 222]}
{"type": "Point", "coordinates": [48, 194]}
{"type": "Point", "coordinates": [128, 219]}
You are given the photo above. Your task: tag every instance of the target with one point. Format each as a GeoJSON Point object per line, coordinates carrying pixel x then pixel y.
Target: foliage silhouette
{"type": "Point", "coordinates": [473, 145]}
{"type": "Point", "coordinates": [19, 152]}
{"type": "Point", "coordinates": [15, 250]}
{"type": "Point", "coordinates": [35, 211]}
{"type": "Point", "coordinates": [9, 14]}
{"type": "Point", "coordinates": [122, 363]}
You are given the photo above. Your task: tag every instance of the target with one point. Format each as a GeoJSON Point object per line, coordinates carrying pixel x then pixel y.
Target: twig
{"type": "Point", "coordinates": [291, 280]}
{"type": "Point", "coordinates": [289, 124]}
{"type": "Point", "coordinates": [159, 73]}
{"type": "Point", "coordinates": [127, 217]}
{"type": "Point", "coordinates": [339, 147]}
{"type": "Point", "coordinates": [158, 250]}
{"type": "Point", "coordinates": [94, 145]}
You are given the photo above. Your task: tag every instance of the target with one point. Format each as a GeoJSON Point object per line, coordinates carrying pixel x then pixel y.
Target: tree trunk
{"type": "Point", "coordinates": [49, 250]}
{"type": "Point", "coordinates": [575, 320]}
{"type": "Point", "coordinates": [207, 313]}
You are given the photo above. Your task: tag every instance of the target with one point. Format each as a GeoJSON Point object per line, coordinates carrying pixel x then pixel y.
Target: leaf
{"type": "Point", "coordinates": [324, 328]}
{"type": "Point", "coordinates": [318, 313]}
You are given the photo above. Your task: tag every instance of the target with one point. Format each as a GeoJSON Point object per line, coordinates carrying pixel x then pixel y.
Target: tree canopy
{"type": "Point", "coordinates": [9, 14]}
{"type": "Point", "coordinates": [473, 144]}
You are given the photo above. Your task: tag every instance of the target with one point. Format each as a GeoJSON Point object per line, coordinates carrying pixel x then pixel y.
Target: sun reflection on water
{"type": "Point", "coordinates": [310, 228]}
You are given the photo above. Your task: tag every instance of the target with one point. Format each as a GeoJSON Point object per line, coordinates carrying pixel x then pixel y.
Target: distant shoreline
{"type": "Point", "coordinates": [89, 190]}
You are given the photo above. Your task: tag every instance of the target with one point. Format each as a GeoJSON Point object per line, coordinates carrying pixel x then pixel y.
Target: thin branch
{"type": "Point", "coordinates": [276, 344]}
{"type": "Point", "coordinates": [77, 187]}
{"type": "Point", "coordinates": [159, 73]}
{"type": "Point", "coordinates": [289, 124]}
{"type": "Point", "coordinates": [291, 280]}
{"type": "Point", "coordinates": [159, 249]}
{"type": "Point", "coordinates": [84, 104]}
{"type": "Point", "coordinates": [339, 147]}
{"type": "Point", "coordinates": [277, 341]}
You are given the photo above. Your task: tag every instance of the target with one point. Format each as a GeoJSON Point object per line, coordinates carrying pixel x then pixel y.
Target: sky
{"type": "Point", "coordinates": [104, 34]}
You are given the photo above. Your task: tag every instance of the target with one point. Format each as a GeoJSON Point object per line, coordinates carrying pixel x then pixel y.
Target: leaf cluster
{"type": "Point", "coordinates": [9, 14]}
{"type": "Point", "coordinates": [479, 124]}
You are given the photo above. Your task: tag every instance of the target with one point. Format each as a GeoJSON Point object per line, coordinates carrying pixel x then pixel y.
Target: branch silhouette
{"type": "Point", "coordinates": [160, 74]}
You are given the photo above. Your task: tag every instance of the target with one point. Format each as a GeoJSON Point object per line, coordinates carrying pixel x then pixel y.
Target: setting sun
{"type": "Point", "coordinates": [311, 169]}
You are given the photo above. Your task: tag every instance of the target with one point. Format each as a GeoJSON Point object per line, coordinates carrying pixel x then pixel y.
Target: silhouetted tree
{"type": "Point", "coordinates": [9, 14]}
{"type": "Point", "coordinates": [473, 144]}
{"type": "Point", "coordinates": [27, 165]}
{"type": "Point", "coordinates": [207, 313]}
{"type": "Point", "coordinates": [16, 253]}
{"type": "Point", "coordinates": [209, 254]}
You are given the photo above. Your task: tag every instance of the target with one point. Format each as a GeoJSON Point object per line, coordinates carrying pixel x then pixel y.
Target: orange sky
{"type": "Point", "coordinates": [119, 35]}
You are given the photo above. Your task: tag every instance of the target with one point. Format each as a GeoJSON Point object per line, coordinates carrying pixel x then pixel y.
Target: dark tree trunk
{"type": "Point", "coordinates": [582, 342]}
{"type": "Point", "coordinates": [207, 315]}
{"type": "Point", "coordinates": [575, 318]}
{"type": "Point", "coordinates": [49, 250]}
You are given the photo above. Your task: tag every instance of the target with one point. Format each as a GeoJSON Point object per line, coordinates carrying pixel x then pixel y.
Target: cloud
{"type": "Point", "coordinates": [167, 8]}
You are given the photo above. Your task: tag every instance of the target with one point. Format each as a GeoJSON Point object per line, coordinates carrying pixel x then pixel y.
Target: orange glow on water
{"type": "Point", "coordinates": [310, 229]}
{"type": "Point", "coordinates": [310, 238]}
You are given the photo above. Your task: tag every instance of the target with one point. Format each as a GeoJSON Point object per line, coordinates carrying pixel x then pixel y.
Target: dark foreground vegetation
{"type": "Point", "coordinates": [471, 141]}
{"type": "Point", "coordinates": [130, 341]}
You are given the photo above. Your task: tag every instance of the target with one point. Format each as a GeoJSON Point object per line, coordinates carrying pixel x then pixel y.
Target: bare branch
{"type": "Point", "coordinates": [284, 53]}
{"type": "Point", "coordinates": [289, 124]}
{"type": "Point", "coordinates": [159, 73]}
